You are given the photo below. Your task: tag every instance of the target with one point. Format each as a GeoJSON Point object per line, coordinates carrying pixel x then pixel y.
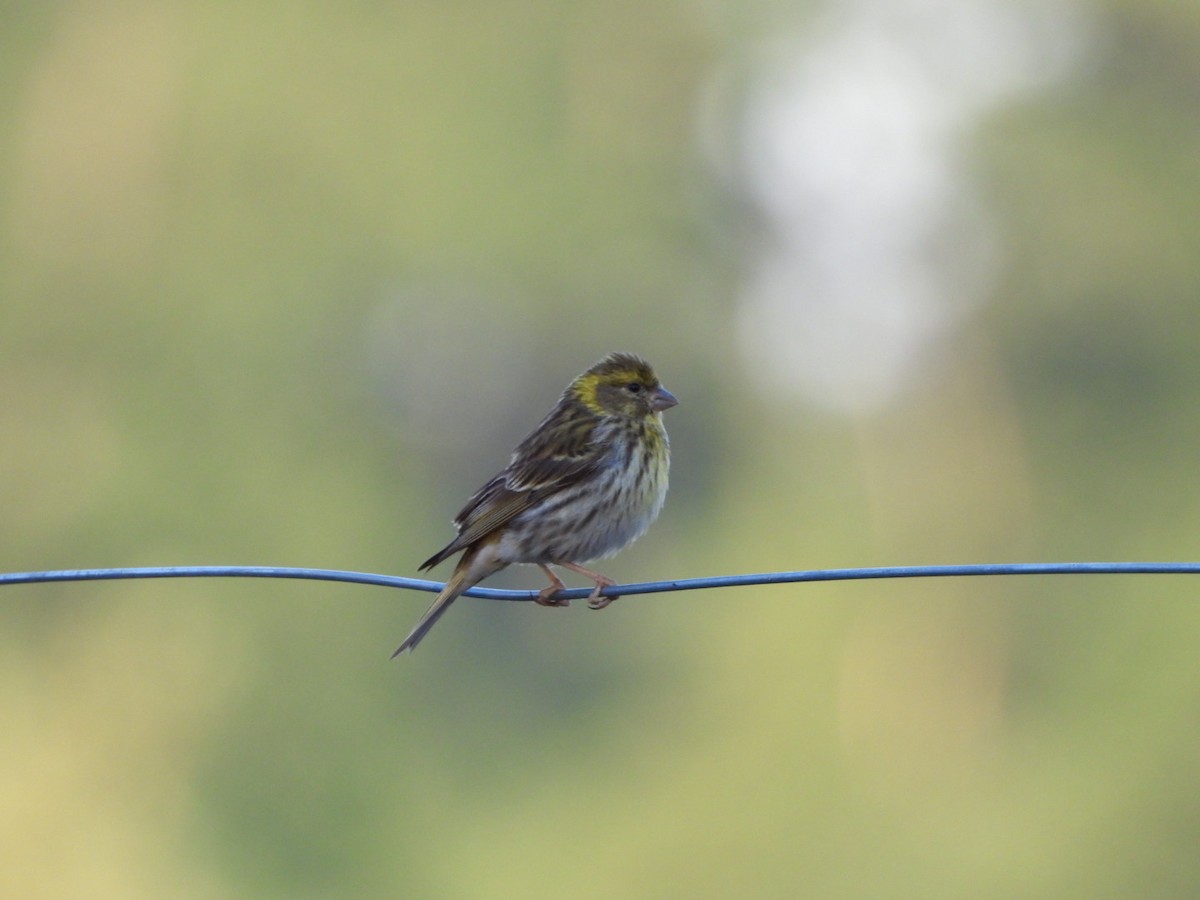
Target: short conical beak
{"type": "Point", "coordinates": [662, 399]}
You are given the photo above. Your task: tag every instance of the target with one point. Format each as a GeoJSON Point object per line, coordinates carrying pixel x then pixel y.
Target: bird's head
{"type": "Point", "coordinates": [621, 384]}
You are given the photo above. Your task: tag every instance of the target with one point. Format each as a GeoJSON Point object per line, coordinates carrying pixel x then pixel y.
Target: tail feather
{"type": "Point", "coordinates": [445, 553]}
{"type": "Point", "coordinates": [455, 586]}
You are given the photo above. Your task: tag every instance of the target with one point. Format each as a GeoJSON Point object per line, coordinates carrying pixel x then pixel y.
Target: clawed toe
{"type": "Point", "coordinates": [547, 598]}
{"type": "Point", "coordinates": [599, 602]}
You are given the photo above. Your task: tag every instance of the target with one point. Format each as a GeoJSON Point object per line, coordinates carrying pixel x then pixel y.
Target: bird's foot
{"type": "Point", "coordinates": [546, 596]}
{"type": "Point", "coordinates": [597, 600]}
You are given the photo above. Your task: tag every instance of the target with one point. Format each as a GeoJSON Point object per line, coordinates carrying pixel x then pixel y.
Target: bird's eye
{"type": "Point", "coordinates": [634, 387]}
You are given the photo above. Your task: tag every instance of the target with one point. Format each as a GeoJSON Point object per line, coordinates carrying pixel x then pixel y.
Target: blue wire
{"type": "Point", "coordinates": [648, 587]}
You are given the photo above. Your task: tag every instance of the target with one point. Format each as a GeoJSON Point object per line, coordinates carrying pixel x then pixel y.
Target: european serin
{"type": "Point", "coordinates": [587, 482]}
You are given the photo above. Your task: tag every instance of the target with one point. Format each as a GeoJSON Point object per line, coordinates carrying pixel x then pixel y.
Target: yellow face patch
{"type": "Point", "coordinates": [588, 385]}
{"type": "Point", "coordinates": [584, 390]}
{"type": "Point", "coordinates": [596, 388]}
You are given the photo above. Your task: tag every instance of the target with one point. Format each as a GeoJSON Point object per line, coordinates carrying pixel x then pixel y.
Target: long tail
{"type": "Point", "coordinates": [457, 583]}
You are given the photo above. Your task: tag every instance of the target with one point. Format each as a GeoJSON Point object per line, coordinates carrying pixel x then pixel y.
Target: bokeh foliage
{"type": "Point", "coordinates": [281, 283]}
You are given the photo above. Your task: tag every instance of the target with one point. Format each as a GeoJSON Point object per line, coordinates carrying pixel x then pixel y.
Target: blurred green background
{"type": "Point", "coordinates": [281, 283]}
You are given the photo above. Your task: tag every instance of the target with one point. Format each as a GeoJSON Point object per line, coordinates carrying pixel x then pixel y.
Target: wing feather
{"type": "Point", "coordinates": [560, 452]}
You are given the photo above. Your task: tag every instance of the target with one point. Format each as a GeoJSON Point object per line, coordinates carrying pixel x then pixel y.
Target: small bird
{"type": "Point", "coordinates": [587, 482]}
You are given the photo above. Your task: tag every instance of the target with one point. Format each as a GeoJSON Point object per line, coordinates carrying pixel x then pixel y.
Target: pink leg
{"type": "Point", "coordinates": [595, 601]}
{"type": "Point", "coordinates": [546, 596]}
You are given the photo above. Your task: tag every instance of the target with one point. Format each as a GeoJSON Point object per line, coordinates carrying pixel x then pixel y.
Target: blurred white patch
{"type": "Point", "coordinates": [849, 148]}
